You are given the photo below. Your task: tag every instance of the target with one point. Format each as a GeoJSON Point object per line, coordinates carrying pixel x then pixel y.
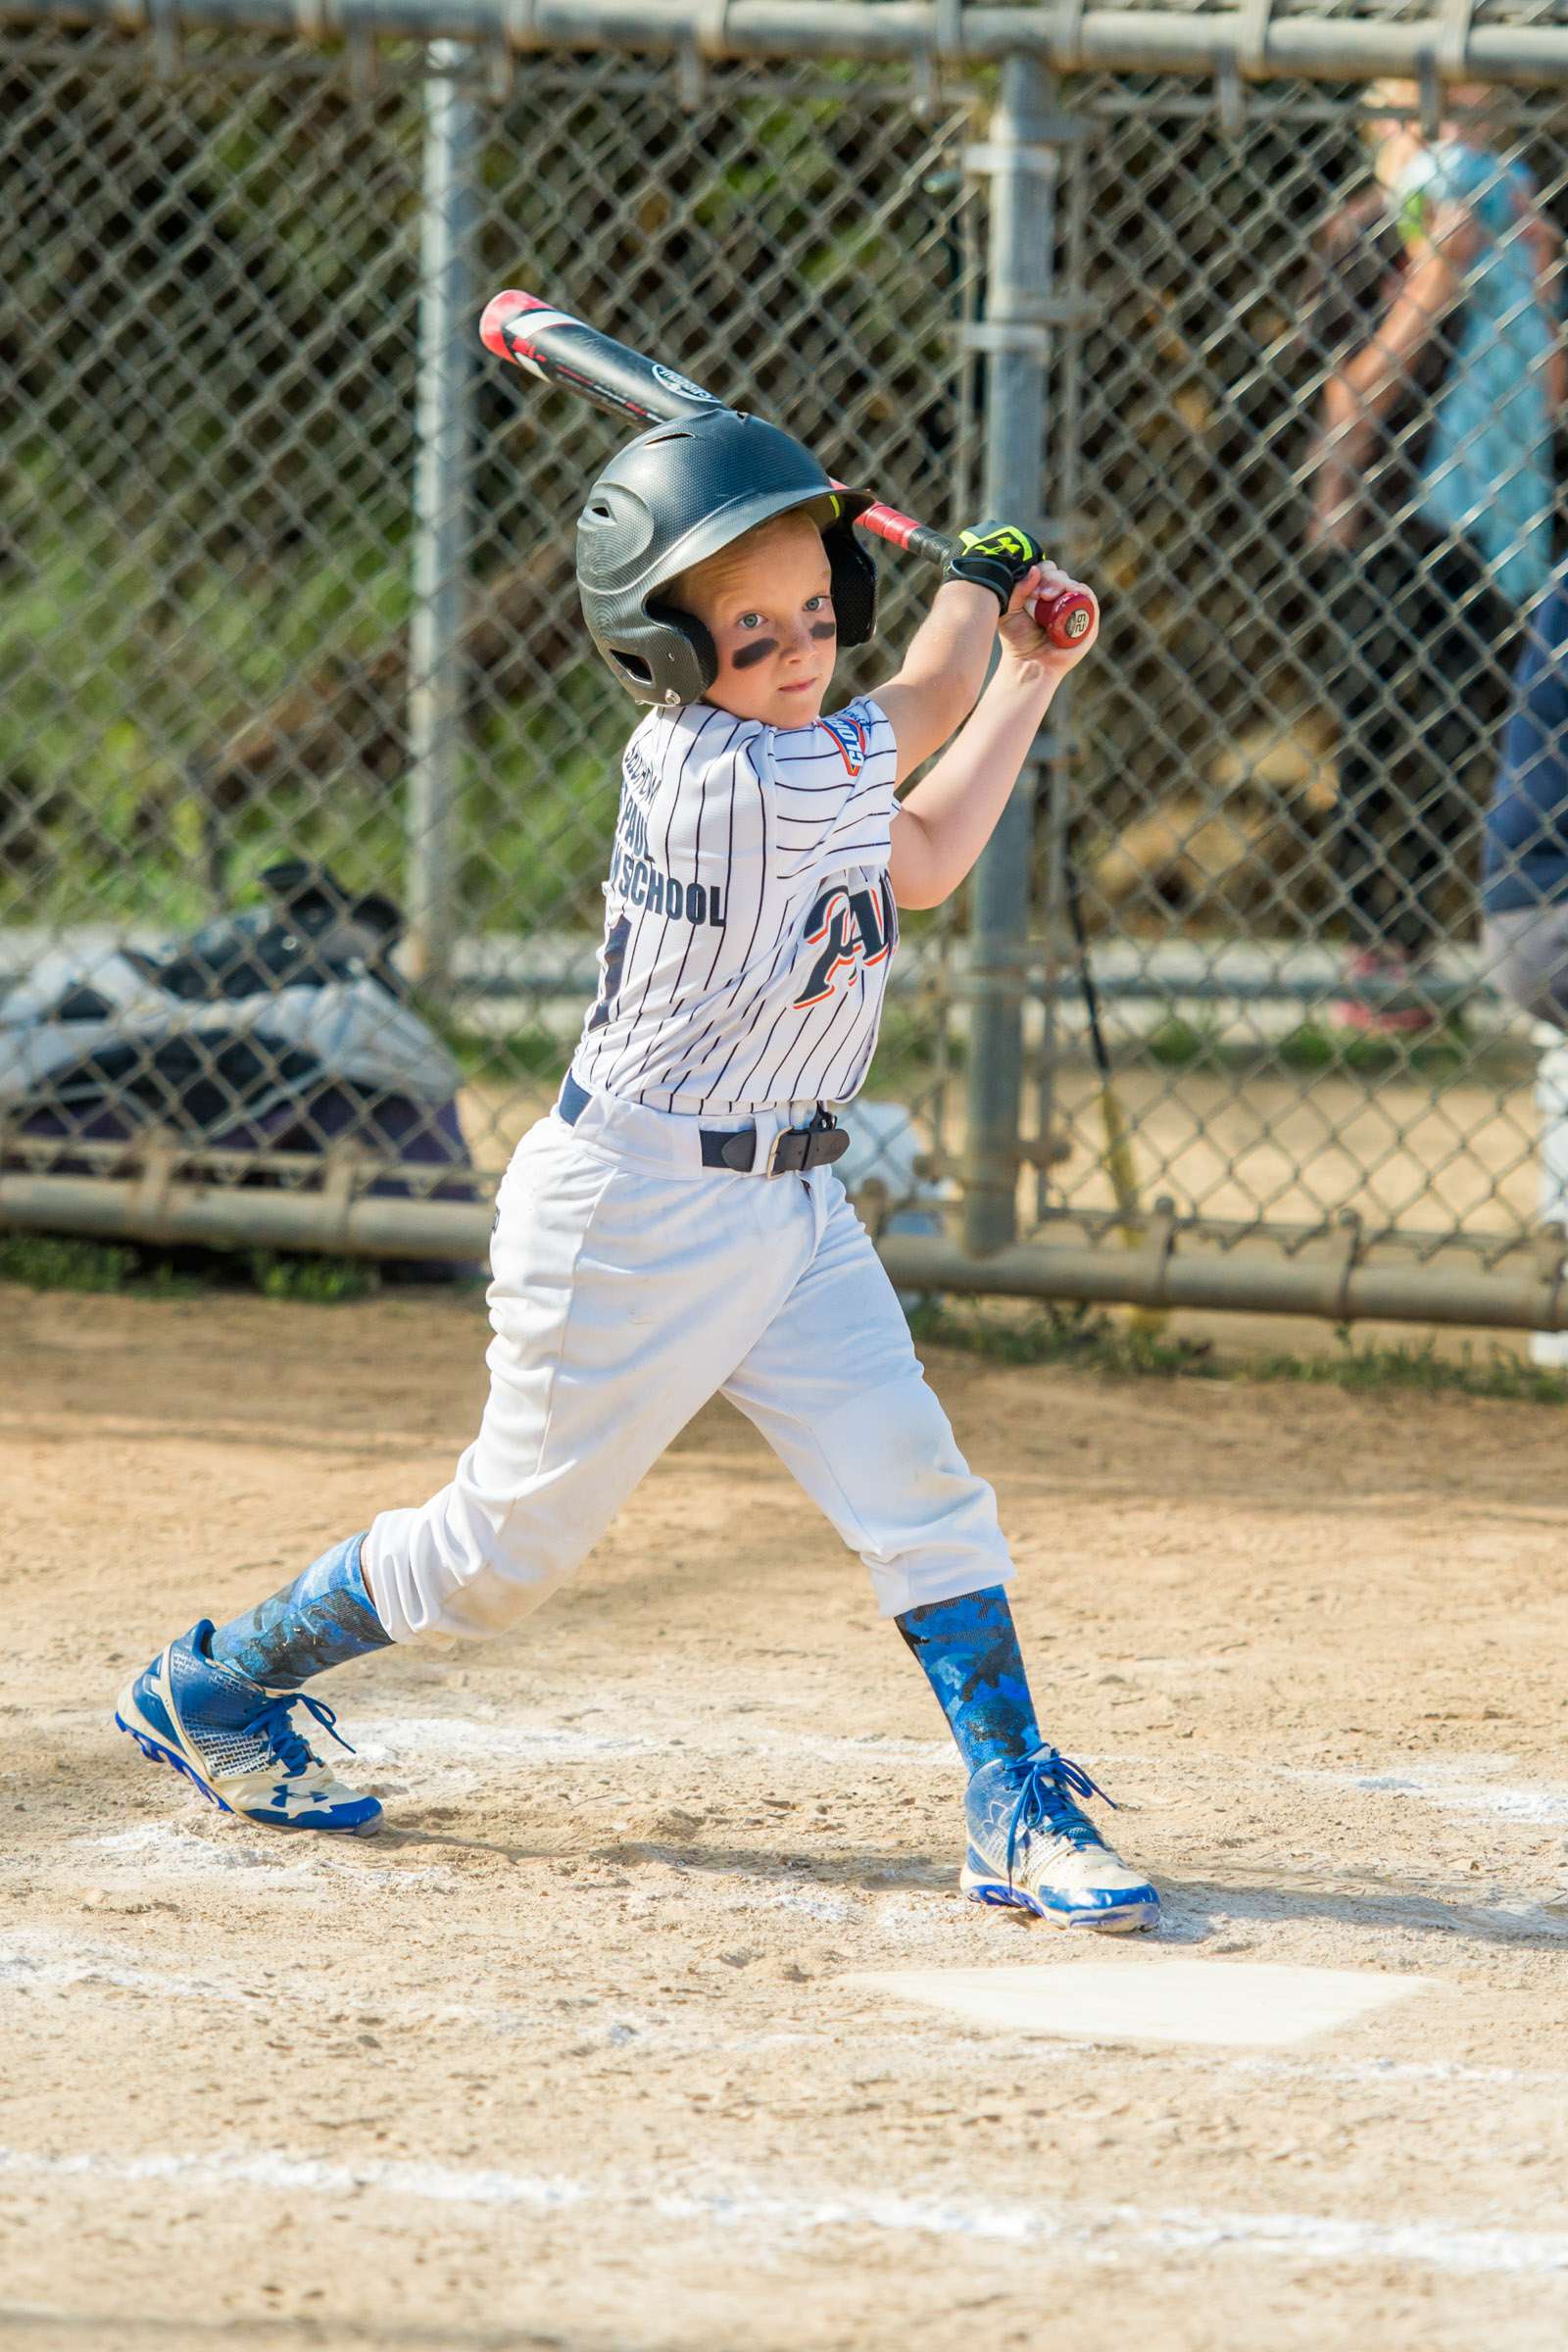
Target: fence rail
{"type": "Point", "coordinates": [285, 593]}
{"type": "Point", "coordinates": [1503, 42]}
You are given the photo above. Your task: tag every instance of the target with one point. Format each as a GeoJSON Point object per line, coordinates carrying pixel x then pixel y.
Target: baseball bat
{"type": "Point", "coordinates": [561, 350]}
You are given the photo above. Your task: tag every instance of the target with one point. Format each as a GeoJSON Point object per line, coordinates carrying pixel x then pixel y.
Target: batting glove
{"type": "Point", "coordinates": [993, 556]}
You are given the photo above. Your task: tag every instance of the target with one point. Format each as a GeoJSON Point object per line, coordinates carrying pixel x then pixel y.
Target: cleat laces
{"type": "Point", "coordinates": [1047, 1787]}
{"type": "Point", "coordinates": [289, 1745]}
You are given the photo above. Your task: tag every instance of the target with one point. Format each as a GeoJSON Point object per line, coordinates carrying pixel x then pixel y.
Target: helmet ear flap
{"type": "Point", "coordinates": [853, 584]}
{"type": "Point", "coordinates": [697, 661]}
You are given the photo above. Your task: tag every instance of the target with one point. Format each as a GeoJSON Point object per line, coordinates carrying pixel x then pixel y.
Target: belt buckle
{"type": "Point", "coordinates": [788, 1156]}
{"type": "Point", "coordinates": [795, 1147]}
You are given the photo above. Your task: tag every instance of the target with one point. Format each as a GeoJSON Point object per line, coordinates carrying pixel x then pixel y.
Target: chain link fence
{"type": "Point", "coordinates": [210, 567]}
{"type": "Point", "coordinates": [307, 774]}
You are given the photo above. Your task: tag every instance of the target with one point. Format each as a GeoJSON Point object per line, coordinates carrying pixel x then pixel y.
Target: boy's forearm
{"type": "Point", "coordinates": [942, 673]}
{"type": "Point", "coordinates": [951, 646]}
{"type": "Point", "coordinates": [953, 812]}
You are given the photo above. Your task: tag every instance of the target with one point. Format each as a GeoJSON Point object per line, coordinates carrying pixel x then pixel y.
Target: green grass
{"type": "Point", "coordinates": [1177, 1044]}
{"type": "Point", "coordinates": [1444, 1052]}
{"type": "Point", "coordinates": [108, 692]}
{"type": "Point", "coordinates": [1097, 1342]}
{"type": "Point", "coordinates": [1063, 1334]}
{"type": "Point", "coordinates": [527, 1052]}
{"type": "Point", "coordinates": [317, 1281]}
{"type": "Point", "coordinates": [50, 1262]}
{"type": "Point", "coordinates": [1361, 1369]}
{"type": "Point", "coordinates": [1313, 1050]}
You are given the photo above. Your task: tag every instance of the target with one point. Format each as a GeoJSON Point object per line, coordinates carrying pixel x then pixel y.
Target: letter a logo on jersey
{"type": "Point", "coordinates": [850, 736]}
{"type": "Point", "coordinates": [851, 929]}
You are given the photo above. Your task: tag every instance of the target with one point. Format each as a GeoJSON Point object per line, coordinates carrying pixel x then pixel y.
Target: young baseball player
{"type": "Point", "coordinates": [673, 1228]}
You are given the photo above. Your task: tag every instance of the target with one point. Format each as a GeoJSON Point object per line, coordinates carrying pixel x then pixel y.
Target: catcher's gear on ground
{"type": "Point", "coordinates": [281, 1028]}
{"type": "Point", "coordinates": [993, 556]}
{"type": "Point", "coordinates": [674, 497]}
{"type": "Point", "coordinates": [239, 1743]}
{"type": "Point", "coordinates": [1032, 1846]}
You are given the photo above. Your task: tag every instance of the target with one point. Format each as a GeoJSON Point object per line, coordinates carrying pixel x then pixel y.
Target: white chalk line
{"type": "Point", "coordinates": [453, 1752]}
{"type": "Point", "coordinates": [288, 1862]}
{"type": "Point", "coordinates": [49, 1960]}
{"type": "Point", "coordinates": [1447, 1788]}
{"type": "Point", "coordinates": [440, 1746]}
{"type": "Point", "coordinates": [1097, 2231]}
{"type": "Point", "coordinates": [448, 1744]}
{"type": "Point", "coordinates": [177, 1851]}
{"type": "Point", "coordinates": [280, 1859]}
{"type": "Point", "coordinates": [1465, 1785]}
{"type": "Point", "coordinates": [38, 1961]}
{"type": "Point", "coordinates": [1459, 1784]}
{"type": "Point", "coordinates": [456, 1752]}
{"type": "Point", "coordinates": [169, 1853]}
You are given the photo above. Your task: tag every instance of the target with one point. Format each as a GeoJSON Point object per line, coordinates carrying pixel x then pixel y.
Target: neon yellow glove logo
{"type": "Point", "coordinates": [1013, 546]}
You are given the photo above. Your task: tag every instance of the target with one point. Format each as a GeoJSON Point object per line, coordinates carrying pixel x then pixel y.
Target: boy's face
{"type": "Point", "coordinates": [767, 604]}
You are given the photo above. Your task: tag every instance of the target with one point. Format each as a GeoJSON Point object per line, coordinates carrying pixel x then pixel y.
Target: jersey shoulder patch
{"type": "Point", "coordinates": [848, 734]}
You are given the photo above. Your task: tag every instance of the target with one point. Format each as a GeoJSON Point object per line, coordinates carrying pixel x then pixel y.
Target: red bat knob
{"type": "Point", "coordinates": [1066, 617]}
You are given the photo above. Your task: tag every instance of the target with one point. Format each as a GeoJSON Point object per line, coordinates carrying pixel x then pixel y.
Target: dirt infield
{"type": "Point", "coordinates": [574, 2054]}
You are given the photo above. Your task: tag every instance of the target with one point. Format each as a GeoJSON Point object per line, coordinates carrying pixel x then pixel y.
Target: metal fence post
{"type": "Point", "coordinates": [1022, 170]}
{"type": "Point", "coordinates": [1064, 424]}
{"type": "Point", "coordinates": [444, 429]}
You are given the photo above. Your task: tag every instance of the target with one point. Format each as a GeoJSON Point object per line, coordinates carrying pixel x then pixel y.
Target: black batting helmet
{"type": "Point", "coordinates": [677, 495]}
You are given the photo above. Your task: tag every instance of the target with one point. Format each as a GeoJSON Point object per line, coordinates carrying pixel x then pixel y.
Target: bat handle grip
{"type": "Point", "coordinates": [1065, 616]}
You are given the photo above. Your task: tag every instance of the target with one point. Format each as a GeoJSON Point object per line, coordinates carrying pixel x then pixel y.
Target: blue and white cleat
{"type": "Point", "coordinates": [1031, 1846]}
{"type": "Point", "coordinates": [238, 1742]}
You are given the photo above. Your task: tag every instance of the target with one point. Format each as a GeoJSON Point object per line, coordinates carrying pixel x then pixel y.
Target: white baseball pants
{"type": "Point", "coordinates": [630, 1284]}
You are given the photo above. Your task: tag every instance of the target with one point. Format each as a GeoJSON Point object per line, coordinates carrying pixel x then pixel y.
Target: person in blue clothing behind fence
{"type": "Point", "coordinates": [1524, 890]}
{"type": "Point", "coordinates": [1524, 883]}
{"type": "Point", "coordinates": [1432, 519]}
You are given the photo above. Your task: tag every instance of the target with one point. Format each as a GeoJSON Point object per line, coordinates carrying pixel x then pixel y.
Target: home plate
{"type": "Point", "coordinates": [1230, 2002]}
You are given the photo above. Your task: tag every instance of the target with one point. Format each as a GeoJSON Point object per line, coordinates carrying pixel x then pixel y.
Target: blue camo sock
{"type": "Point", "coordinates": [969, 1651]}
{"type": "Point", "coordinates": [323, 1618]}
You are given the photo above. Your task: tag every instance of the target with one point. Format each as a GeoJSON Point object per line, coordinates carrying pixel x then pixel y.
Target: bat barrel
{"type": "Point", "coordinates": [561, 350]}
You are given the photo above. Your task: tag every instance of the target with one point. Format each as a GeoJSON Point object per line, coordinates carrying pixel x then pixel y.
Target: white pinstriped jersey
{"type": "Point", "coordinates": [748, 921]}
